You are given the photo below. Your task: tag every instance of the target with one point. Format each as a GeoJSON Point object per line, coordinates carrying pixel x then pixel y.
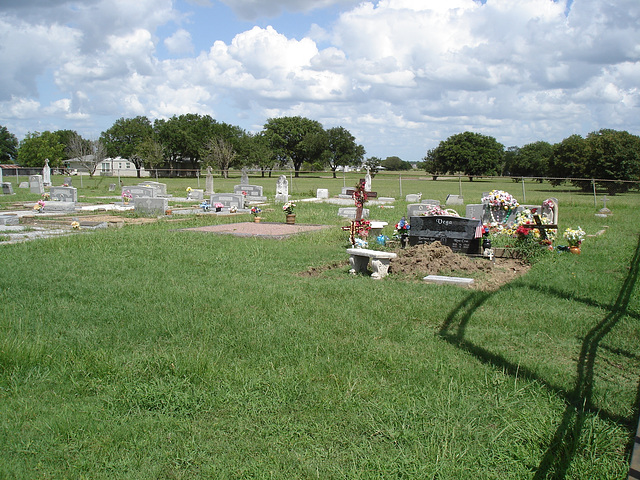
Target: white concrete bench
{"type": "Point", "coordinates": [359, 261]}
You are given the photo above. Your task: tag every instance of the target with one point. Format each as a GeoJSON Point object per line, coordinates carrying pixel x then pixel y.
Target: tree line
{"type": "Point", "coordinates": [610, 158]}
{"type": "Point", "coordinates": [186, 143]}
{"type": "Point", "coordinates": [183, 144]}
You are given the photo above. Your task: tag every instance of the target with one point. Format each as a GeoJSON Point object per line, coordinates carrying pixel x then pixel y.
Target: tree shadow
{"type": "Point", "coordinates": [579, 402]}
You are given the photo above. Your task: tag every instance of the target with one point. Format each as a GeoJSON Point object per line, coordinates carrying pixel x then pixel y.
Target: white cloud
{"type": "Point", "coordinates": [400, 74]}
{"type": "Point", "coordinates": [179, 42]}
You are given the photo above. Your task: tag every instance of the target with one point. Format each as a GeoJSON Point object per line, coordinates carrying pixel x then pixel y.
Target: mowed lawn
{"type": "Point", "coordinates": [152, 352]}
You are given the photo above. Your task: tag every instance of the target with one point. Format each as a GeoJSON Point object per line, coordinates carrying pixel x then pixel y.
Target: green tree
{"type": "Point", "coordinates": [342, 149]}
{"type": "Point", "coordinates": [373, 165]}
{"type": "Point", "coordinates": [532, 160]}
{"type": "Point", "coordinates": [8, 146]}
{"type": "Point", "coordinates": [613, 155]}
{"type": "Point", "coordinates": [569, 160]}
{"type": "Point", "coordinates": [150, 152]}
{"type": "Point", "coordinates": [254, 151]}
{"type": "Point", "coordinates": [294, 139]}
{"type": "Point", "coordinates": [36, 147]}
{"type": "Point", "coordinates": [124, 137]}
{"type": "Point", "coordinates": [472, 154]}
{"type": "Point", "coordinates": [396, 164]}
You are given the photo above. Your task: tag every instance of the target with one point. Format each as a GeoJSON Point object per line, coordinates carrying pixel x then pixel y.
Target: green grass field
{"type": "Point", "coordinates": [150, 352]}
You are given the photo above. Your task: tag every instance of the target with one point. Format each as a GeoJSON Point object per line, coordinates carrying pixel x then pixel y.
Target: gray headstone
{"type": "Point", "coordinates": [7, 188]}
{"type": "Point", "coordinates": [64, 194]}
{"type": "Point", "coordinates": [454, 200]}
{"type": "Point", "coordinates": [282, 189]}
{"type": "Point", "coordinates": [415, 209]}
{"type": "Point", "coordinates": [112, 187]}
{"type": "Point", "coordinates": [160, 189]}
{"type": "Point", "coordinates": [430, 201]}
{"type": "Point", "coordinates": [151, 205]}
{"type": "Point", "coordinates": [350, 212]}
{"type": "Point", "coordinates": [475, 210]}
{"type": "Point", "coordinates": [68, 180]}
{"type": "Point", "coordinates": [140, 191]}
{"type": "Point", "coordinates": [413, 197]}
{"type": "Point", "coordinates": [35, 184]}
{"type": "Point", "coordinates": [60, 206]}
{"type": "Point", "coordinates": [23, 185]}
{"type": "Point", "coordinates": [458, 233]}
{"type": "Point", "coordinates": [345, 190]}
{"type": "Point", "coordinates": [196, 194]}
{"type": "Point", "coordinates": [250, 190]}
{"type": "Point", "coordinates": [228, 200]}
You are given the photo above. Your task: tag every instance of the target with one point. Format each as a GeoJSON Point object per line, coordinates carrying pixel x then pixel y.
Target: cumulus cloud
{"type": "Point", "coordinates": [398, 73]}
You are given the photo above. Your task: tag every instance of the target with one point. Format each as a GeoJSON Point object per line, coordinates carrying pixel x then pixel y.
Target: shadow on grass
{"type": "Point", "coordinates": [562, 447]}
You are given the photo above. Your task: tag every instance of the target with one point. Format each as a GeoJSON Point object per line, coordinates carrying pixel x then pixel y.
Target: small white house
{"type": "Point", "coordinates": [113, 167]}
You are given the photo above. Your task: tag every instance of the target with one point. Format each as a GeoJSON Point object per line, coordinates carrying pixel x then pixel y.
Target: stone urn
{"type": "Point", "coordinates": [291, 218]}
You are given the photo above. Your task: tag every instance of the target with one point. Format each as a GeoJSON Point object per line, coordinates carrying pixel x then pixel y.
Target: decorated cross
{"type": "Point", "coordinates": [360, 196]}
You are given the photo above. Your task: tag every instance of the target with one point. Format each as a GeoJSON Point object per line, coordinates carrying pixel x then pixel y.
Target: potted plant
{"type": "Point", "coordinates": [575, 237]}
{"type": "Point", "coordinates": [255, 211]}
{"type": "Point", "coordinates": [288, 209]}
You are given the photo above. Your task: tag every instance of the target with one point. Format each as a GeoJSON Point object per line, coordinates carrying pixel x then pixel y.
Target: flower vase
{"type": "Point", "coordinates": [291, 218]}
{"type": "Point", "coordinates": [404, 240]}
{"type": "Point", "coordinates": [218, 209]}
{"type": "Point", "coordinates": [575, 249]}
{"type": "Point", "coordinates": [256, 219]}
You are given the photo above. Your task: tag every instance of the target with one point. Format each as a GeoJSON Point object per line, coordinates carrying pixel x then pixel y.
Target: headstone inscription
{"type": "Point", "coordinates": [459, 233]}
{"type": "Point", "coordinates": [64, 194]}
{"type": "Point", "coordinates": [228, 200]}
{"type": "Point", "coordinates": [137, 191]}
{"type": "Point", "coordinates": [36, 184]}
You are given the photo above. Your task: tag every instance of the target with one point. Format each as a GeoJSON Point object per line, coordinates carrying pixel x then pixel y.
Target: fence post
{"type": "Point", "coordinates": [460, 184]}
{"type": "Point", "coordinates": [400, 185]}
{"type": "Point", "coordinates": [595, 198]}
{"type": "Point", "coordinates": [524, 195]}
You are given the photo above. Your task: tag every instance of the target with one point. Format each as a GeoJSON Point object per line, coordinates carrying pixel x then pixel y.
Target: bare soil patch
{"type": "Point", "coordinates": [262, 229]}
{"type": "Point", "coordinates": [415, 263]}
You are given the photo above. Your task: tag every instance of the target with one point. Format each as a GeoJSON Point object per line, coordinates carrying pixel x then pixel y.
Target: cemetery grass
{"type": "Point", "coordinates": [149, 352]}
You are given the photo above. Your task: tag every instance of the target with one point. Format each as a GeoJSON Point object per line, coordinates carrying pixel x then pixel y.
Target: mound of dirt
{"type": "Point", "coordinates": [414, 263]}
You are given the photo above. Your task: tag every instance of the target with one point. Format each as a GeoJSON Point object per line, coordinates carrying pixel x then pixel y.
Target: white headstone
{"type": "Point", "coordinates": [367, 181]}
{"type": "Point", "coordinates": [35, 184]}
{"type": "Point", "coordinates": [46, 173]}
{"type": "Point", "coordinates": [244, 180]}
{"type": "Point", "coordinates": [322, 193]}
{"type": "Point", "coordinates": [282, 189]}
{"type": "Point", "coordinates": [1, 175]}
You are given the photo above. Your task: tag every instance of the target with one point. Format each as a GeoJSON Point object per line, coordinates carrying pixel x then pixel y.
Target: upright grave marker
{"type": "Point", "coordinates": [459, 233]}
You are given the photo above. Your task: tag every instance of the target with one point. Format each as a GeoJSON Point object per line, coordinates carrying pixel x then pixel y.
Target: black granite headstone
{"type": "Point", "coordinates": [458, 233]}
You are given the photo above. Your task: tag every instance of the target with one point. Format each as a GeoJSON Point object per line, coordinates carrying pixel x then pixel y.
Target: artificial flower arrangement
{"type": "Point", "coordinates": [288, 208]}
{"type": "Point", "coordinates": [75, 225]}
{"type": "Point", "coordinates": [360, 243]}
{"type": "Point", "coordinates": [433, 210]}
{"type": "Point", "coordinates": [499, 199]}
{"type": "Point", "coordinates": [548, 203]}
{"type": "Point", "coordinates": [402, 228]}
{"type": "Point", "coordinates": [39, 207]}
{"type": "Point", "coordinates": [126, 195]}
{"type": "Point", "coordinates": [574, 236]}
{"type": "Point", "coordinates": [218, 205]}
{"type": "Point", "coordinates": [363, 227]}
{"type": "Point", "coordinates": [233, 209]}
{"type": "Point", "coordinates": [360, 195]}
{"type": "Point", "coordinates": [46, 196]}
{"type": "Point", "coordinates": [189, 189]}
{"type": "Point", "coordinates": [255, 211]}
{"type": "Point", "coordinates": [205, 206]}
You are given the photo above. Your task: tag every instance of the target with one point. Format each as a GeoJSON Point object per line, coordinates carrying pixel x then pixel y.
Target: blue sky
{"type": "Point", "coordinates": [401, 75]}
